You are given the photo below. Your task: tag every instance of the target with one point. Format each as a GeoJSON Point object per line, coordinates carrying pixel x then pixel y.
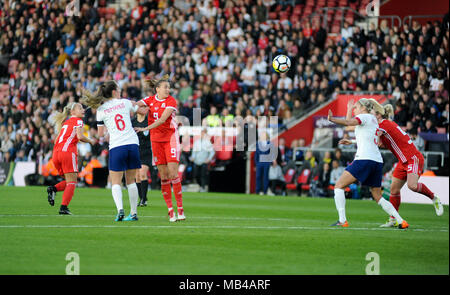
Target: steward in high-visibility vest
{"type": "Point", "coordinates": [88, 171]}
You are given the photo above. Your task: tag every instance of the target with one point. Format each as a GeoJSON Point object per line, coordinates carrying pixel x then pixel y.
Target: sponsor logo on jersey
{"type": "Point", "coordinates": [163, 105]}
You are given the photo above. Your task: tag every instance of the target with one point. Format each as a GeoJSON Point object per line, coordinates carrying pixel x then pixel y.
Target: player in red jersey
{"type": "Point", "coordinates": [65, 153]}
{"type": "Point", "coordinates": [165, 142]}
{"type": "Point", "coordinates": [410, 162]}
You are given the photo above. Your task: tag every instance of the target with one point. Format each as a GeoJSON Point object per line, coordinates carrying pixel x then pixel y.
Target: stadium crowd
{"type": "Point", "coordinates": [218, 54]}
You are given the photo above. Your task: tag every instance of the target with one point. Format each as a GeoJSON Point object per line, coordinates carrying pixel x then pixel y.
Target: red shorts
{"type": "Point", "coordinates": [414, 165]}
{"type": "Point", "coordinates": [165, 152]}
{"type": "Point", "coordinates": [65, 162]}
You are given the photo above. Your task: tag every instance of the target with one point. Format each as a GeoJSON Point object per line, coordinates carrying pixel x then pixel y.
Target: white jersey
{"type": "Point", "coordinates": [366, 138]}
{"type": "Point", "coordinates": [115, 115]}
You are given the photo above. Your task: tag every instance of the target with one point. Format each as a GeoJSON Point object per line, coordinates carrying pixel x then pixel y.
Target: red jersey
{"type": "Point", "coordinates": [397, 141]}
{"type": "Point", "coordinates": [67, 139]}
{"type": "Point", "coordinates": [166, 130]}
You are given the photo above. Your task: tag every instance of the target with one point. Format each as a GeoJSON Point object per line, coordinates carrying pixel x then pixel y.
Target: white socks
{"type": "Point", "coordinates": [133, 194]}
{"type": "Point", "coordinates": [339, 199]}
{"type": "Point", "coordinates": [117, 196]}
{"type": "Point", "coordinates": [389, 209]}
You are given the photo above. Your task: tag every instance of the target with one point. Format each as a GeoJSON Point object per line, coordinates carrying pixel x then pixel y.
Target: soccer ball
{"type": "Point", "coordinates": [281, 63]}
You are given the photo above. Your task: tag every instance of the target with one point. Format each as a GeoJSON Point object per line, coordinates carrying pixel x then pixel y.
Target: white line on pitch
{"type": "Point", "coordinates": [144, 216]}
{"type": "Point", "coordinates": [216, 227]}
{"type": "Point", "coordinates": [161, 217]}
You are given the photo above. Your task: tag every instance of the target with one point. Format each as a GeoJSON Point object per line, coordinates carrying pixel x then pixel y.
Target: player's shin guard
{"type": "Point", "coordinates": [177, 190]}
{"type": "Point", "coordinates": [389, 209]}
{"type": "Point", "coordinates": [117, 196]}
{"type": "Point", "coordinates": [68, 193]}
{"type": "Point", "coordinates": [395, 200]}
{"type": "Point", "coordinates": [424, 190]}
{"type": "Point", "coordinates": [167, 193]}
{"type": "Point", "coordinates": [133, 194]}
{"type": "Point", "coordinates": [339, 199]}
{"type": "Point", "coordinates": [60, 186]}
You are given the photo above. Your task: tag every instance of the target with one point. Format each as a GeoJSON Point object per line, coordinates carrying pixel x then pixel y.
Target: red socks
{"type": "Point", "coordinates": [177, 190]}
{"type": "Point", "coordinates": [167, 193]}
{"type": "Point", "coordinates": [60, 186]}
{"type": "Point", "coordinates": [68, 193]}
{"type": "Point", "coordinates": [166, 190]}
{"type": "Point", "coordinates": [395, 200]}
{"type": "Point", "coordinates": [423, 189]}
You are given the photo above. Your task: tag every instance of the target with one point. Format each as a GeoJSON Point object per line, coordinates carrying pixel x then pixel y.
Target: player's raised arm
{"type": "Point", "coordinates": [345, 122]}
{"type": "Point", "coordinates": [350, 107]}
{"type": "Point", "coordinates": [83, 138]}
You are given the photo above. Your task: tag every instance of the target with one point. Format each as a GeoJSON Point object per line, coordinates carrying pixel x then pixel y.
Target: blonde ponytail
{"type": "Point", "coordinates": [388, 111]}
{"type": "Point", "coordinates": [60, 117]}
{"type": "Point", "coordinates": [377, 107]}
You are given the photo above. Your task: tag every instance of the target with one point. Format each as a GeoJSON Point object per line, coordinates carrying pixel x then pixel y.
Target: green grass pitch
{"type": "Point", "coordinates": [223, 234]}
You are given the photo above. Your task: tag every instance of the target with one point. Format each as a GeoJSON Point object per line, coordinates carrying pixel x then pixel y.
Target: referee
{"type": "Point", "coordinates": [145, 150]}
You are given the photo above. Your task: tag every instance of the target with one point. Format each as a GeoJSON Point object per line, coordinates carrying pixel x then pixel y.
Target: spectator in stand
{"type": "Point", "coordinates": [339, 157]}
{"type": "Point", "coordinates": [276, 179]}
{"type": "Point", "coordinates": [185, 91]}
{"type": "Point", "coordinates": [230, 85]}
{"type": "Point", "coordinates": [323, 180]}
{"type": "Point", "coordinates": [202, 155]}
{"type": "Point", "coordinates": [429, 127]}
{"type": "Point", "coordinates": [336, 172]}
{"type": "Point", "coordinates": [417, 140]}
{"type": "Point", "coordinates": [310, 160]}
{"type": "Point", "coordinates": [213, 119]}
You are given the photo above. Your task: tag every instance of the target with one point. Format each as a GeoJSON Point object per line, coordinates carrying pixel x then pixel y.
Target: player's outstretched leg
{"type": "Point", "coordinates": [388, 207]}
{"type": "Point", "coordinates": [421, 188]}
{"type": "Point", "coordinates": [395, 201]}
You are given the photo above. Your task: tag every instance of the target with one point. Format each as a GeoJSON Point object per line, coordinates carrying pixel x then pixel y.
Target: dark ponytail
{"type": "Point", "coordinates": [154, 83]}
{"type": "Point", "coordinates": [94, 100]}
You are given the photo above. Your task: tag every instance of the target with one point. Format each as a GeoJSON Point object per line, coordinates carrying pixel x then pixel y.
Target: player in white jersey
{"type": "Point", "coordinates": [114, 114]}
{"type": "Point", "coordinates": [368, 163]}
